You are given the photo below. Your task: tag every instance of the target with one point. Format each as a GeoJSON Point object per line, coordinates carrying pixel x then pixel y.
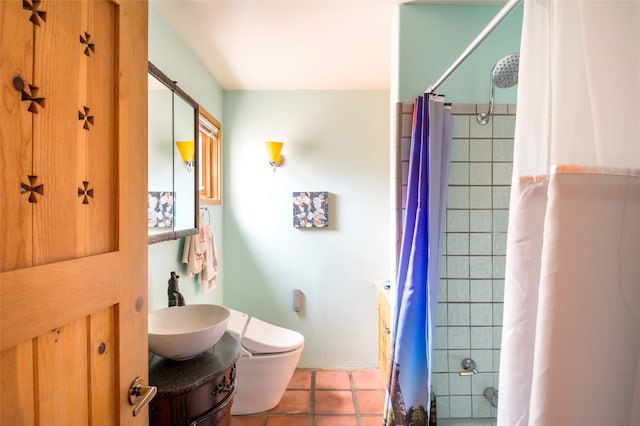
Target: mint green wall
{"type": "Point", "coordinates": [335, 141]}
{"type": "Point", "coordinates": [432, 36]}
{"type": "Point", "coordinates": [173, 57]}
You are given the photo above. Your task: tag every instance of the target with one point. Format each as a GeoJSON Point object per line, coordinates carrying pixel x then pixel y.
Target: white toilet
{"type": "Point", "coordinates": [268, 358]}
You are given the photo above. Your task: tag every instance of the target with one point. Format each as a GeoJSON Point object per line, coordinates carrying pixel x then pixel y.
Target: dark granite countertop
{"type": "Point", "coordinates": [176, 377]}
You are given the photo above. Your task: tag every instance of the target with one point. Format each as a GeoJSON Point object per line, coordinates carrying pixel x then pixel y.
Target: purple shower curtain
{"type": "Point", "coordinates": [408, 391]}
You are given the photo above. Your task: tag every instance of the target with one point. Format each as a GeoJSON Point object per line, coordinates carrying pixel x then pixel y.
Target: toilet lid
{"type": "Point", "coordinates": [237, 323]}
{"type": "Point", "coordinates": [262, 337]}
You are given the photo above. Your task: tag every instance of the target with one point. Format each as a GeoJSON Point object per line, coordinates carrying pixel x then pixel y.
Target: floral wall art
{"type": "Point", "coordinates": [161, 209]}
{"type": "Point", "coordinates": [310, 209]}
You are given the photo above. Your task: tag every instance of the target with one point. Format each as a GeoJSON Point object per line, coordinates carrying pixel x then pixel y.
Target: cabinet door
{"type": "Point", "coordinates": [207, 404]}
{"type": "Point", "coordinates": [73, 243]}
{"type": "Point", "coordinates": [384, 334]}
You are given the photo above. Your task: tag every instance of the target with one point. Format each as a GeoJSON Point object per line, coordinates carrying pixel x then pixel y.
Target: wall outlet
{"type": "Point", "coordinates": [297, 300]}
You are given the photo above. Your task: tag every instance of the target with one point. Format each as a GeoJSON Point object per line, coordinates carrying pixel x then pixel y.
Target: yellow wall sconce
{"type": "Point", "coordinates": [186, 149]}
{"type": "Point", "coordinates": [273, 151]}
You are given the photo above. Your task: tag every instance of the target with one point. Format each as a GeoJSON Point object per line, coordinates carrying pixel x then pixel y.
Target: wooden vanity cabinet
{"type": "Point", "coordinates": [208, 404]}
{"type": "Point", "coordinates": [199, 391]}
{"type": "Point", "coordinates": [384, 331]}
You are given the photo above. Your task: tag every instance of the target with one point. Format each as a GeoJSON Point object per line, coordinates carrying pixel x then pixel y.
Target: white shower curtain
{"type": "Point", "coordinates": [571, 328]}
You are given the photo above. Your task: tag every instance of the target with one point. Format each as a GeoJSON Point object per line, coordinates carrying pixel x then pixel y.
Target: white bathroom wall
{"type": "Point", "coordinates": [335, 141]}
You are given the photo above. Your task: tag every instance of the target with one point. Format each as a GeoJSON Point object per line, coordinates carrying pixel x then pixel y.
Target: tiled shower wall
{"type": "Point", "coordinates": [469, 318]}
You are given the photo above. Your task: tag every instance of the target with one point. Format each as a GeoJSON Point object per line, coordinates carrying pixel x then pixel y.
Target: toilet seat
{"type": "Point", "coordinates": [260, 337]}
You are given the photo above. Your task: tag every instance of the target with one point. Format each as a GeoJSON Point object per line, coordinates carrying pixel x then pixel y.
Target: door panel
{"type": "Point", "coordinates": [17, 385]}
{"type": "Point", "coordinates": [73, 253]}
{"type": "Point", "coordinates": [102, 361]}
{"type": "Point", "coordinates": [55, 136]}
{"type": "Point", "coordinates": [100, 135]}
{"type": "Point", "coordinates": [54, 353]}
{"type": "Point", "coordinates": [16, 69]}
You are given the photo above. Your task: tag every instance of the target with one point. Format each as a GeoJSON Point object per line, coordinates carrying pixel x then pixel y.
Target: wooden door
{"type": "Point", "coordinates": [73, 184]}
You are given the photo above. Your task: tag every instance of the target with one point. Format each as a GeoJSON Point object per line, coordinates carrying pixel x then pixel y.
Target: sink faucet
{"type": "Point", "coordinates": [175, 297]}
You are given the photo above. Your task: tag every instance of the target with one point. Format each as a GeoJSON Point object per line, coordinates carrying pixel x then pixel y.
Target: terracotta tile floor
{"type": "Point", "coordinates": [325, 398]}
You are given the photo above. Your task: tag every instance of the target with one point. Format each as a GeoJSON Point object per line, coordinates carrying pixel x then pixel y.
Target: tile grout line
{"type": "Point", "coordinates": [268, 417]}
{"type": "Point", "coordinates": [356, 406]}
{"type": "Point", "coordinates": [312, 396]}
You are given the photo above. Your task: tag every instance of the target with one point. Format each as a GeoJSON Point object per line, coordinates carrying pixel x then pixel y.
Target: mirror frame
{"type": "Point", "coordinates": [173, 86]}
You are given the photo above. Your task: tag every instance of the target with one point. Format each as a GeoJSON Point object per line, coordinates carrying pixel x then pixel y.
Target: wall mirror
{"type": "Point", "coordinates": [172, 183]}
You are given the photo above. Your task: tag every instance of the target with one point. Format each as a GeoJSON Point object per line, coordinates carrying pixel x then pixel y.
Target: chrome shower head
{"type": "Point", "coordinates": [505, 71]}
{"type": "Point", "coordinates": [503, 75]}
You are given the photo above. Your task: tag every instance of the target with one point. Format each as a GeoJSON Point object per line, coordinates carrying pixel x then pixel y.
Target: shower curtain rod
{"type": "Point", "coordinates": [500, 16]}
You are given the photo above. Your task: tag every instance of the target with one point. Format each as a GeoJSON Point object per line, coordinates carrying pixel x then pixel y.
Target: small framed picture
{"type": "Point", "coordinates": [161, 209]}
{"type": "Point", "coordinates": [310, 209]}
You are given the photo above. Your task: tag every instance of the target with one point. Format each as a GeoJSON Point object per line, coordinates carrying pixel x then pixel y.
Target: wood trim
{"type": "Point", "coordinates": [80, 285]}
{"type": "Point", "coordinates": [131, 313]}
{"type": "Point", "coordinates": [212, 193]}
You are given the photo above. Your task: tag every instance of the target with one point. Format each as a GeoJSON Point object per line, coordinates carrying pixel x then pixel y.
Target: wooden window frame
{"type": "Point", "coordinates": [210, 158]}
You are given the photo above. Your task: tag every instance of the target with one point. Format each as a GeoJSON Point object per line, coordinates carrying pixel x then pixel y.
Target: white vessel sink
{"type": "Point", "coordinates": [182, 332]}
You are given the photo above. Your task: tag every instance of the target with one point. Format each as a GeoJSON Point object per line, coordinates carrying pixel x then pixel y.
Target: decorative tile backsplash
{"type": "Point", "coordinates": [469, 318]}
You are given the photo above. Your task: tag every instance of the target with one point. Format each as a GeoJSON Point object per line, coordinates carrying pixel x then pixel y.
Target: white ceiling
{"type": "Point", "coordinates": [288, 44]}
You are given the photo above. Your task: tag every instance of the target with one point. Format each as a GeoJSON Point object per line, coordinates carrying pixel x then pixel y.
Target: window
{"type": "Point", "coordinates": [210, 159]}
